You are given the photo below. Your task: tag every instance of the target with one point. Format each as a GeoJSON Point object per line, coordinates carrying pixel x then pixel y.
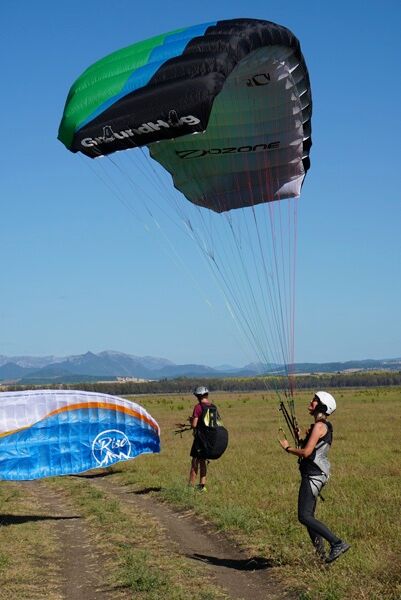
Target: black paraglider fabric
{"type": "Point", "coordinates": [187, 85]}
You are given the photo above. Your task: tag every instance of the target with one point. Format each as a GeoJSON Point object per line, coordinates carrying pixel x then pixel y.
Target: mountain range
{"type": "Point", "coordinates": [110, 365]}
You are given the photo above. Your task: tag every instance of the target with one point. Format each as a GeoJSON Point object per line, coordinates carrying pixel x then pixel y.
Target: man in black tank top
{"type": "Point", "coordinates": [315, 472]}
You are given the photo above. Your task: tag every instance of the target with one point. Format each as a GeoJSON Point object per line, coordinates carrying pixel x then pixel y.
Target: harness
{"type": "Point", "coordinates": [210, 433]}
{"type": "Point", "coordinates": [317, 466]}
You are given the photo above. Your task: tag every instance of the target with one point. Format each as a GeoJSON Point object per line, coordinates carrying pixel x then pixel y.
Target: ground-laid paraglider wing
{"type": "Point", "coordinates": [241, 85]}
{"type": "Point", "coordinates": [44, 433]}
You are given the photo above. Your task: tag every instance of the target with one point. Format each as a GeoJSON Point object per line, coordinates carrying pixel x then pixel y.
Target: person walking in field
{"type": "Point", "coordinates": [315, 472]}
{"type": "Point", "coordinates": [198, 462]}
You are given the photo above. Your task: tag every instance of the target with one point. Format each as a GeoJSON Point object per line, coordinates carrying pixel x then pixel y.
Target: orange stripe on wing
{"type": "Point", "coordinates": [106, 406]}
{"type": "Point", "coordinates": [103, 405]}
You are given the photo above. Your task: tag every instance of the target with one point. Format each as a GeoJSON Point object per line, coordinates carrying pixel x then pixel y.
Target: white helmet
{"type": "Point", "coordinates": [201, 391]}
{"type": "Point", "coordinates": [328, 401]}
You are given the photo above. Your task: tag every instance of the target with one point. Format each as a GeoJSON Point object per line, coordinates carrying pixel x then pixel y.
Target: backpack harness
{"type": "Point", "coordinates": [210, 433]}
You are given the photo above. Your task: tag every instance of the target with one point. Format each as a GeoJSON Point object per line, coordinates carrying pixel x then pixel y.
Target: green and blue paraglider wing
{"type": "Point", "coordinates": [241, 85]}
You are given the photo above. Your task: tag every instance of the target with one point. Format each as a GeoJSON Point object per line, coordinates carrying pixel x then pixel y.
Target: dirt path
{"type": "Point", "coordinates": [232, 569]}
{"type": "Point", "coordinates": [78, 562]}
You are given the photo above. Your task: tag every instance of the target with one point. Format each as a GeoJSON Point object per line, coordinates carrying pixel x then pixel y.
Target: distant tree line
{"type": "Point", "coordinates": [184, 385]}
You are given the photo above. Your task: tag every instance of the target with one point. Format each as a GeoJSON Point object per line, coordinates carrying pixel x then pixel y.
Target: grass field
{"type": "Point", "coordinates": [252, 495]}
{"type": "Point", "coordinates": [253, 487]}
{"type": "Point", "coordinates": [27, 570]}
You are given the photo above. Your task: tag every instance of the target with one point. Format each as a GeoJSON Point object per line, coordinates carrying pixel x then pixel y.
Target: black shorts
{"type": "Point", "coordinates": [197, 450]}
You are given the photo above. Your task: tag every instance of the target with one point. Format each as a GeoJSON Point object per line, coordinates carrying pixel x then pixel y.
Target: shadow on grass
{"type": "Point", "coordinates": [94, 474]}
{"type": "Point", "coordinates": [255, 563]}
{"type": "Point", "coordinates": [147, 490]}
{"type": "Point", "coordinates": [6, 520]}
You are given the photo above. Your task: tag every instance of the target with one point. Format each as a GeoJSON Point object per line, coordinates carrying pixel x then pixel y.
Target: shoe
{"type": "Point", "coordinates": [201, 488]}
{"type": "Point", "coordinates": [337, 550]}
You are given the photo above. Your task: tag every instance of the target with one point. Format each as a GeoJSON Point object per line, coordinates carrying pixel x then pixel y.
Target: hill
{"type": "Point", "coordinates": [114, 366]}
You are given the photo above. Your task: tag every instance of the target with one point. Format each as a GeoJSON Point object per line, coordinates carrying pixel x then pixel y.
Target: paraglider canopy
{"type": "Point", "coordinates": [44, 433]}
{"type": "Point", "coordinates": [241, 85]}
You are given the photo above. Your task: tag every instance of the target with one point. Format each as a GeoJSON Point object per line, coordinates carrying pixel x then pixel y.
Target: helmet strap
{"type": "Point", "coordinates": [319, 414]}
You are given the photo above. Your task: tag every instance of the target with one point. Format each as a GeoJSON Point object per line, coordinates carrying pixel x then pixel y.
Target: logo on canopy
{"type": "Point", "coordinates": [110, 446]}
{"type": "Point", "coordinates": [151, 127]}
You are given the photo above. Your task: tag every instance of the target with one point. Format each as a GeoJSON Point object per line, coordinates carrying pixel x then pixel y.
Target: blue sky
{"type": "Point", "coordinates": [80, 272]}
